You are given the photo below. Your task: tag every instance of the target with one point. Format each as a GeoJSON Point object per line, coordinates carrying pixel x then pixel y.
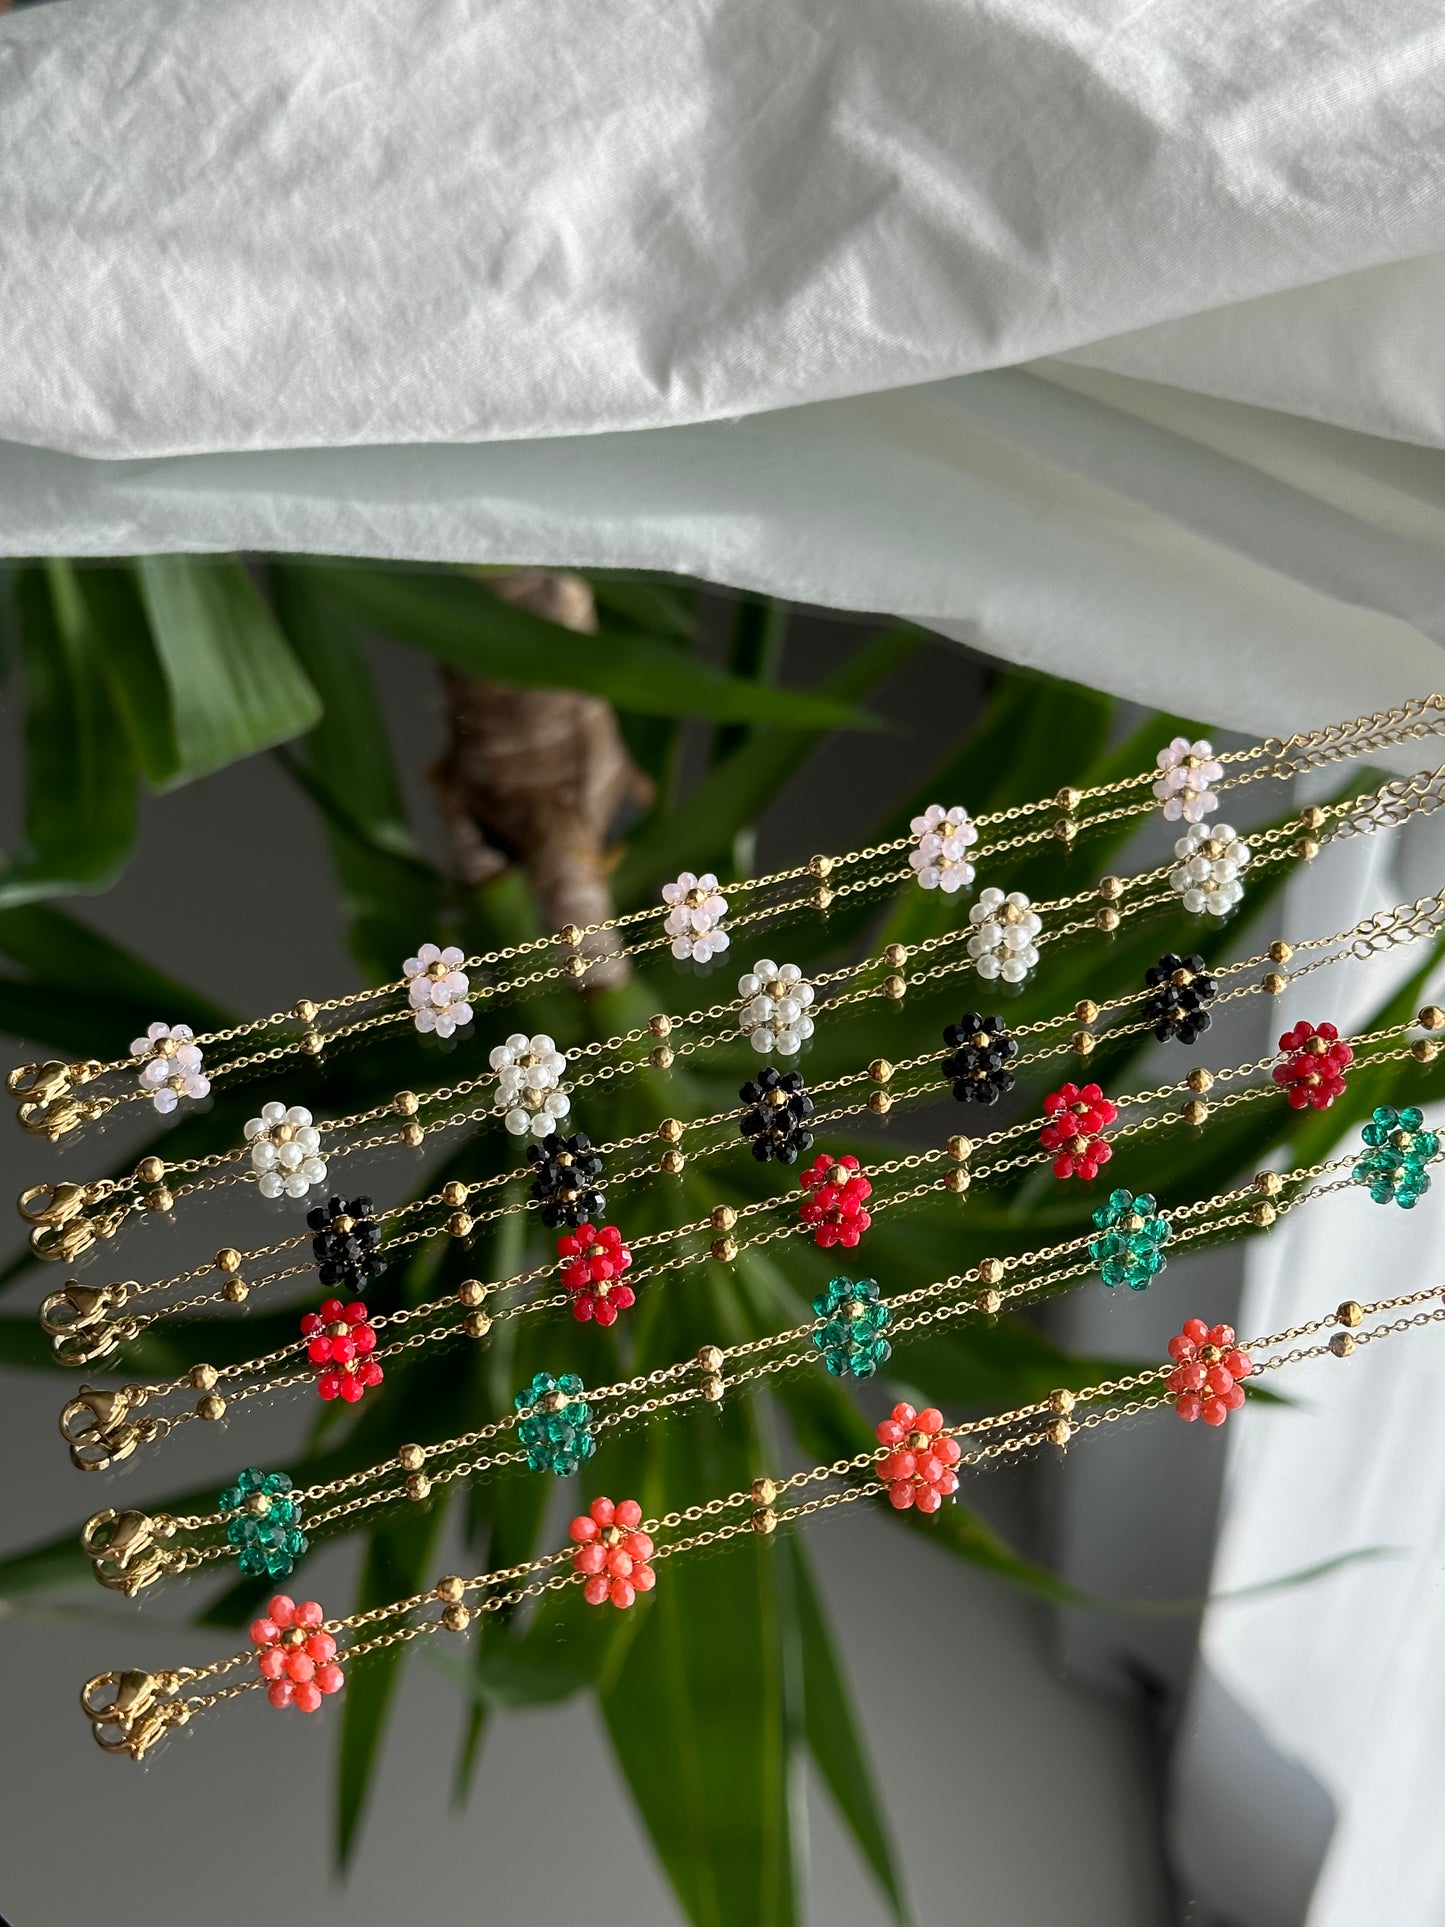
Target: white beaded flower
{"type": "Point", "coordinates": [285, 1151]}
{"type": "Point", "coordinates": [1002, 944]}
{"type": "Point", "coordinates": [774, 1015]}
{"type": "Point", "coordinates": [1186, 772]}
{"type": "Point", "coordinates": [529, 1077]}
{"type": "Point", "coordinates": [170, 1065]}
{"type": "Point", "coordinates": [695, 916]}
{"type": "Point", "coordinates": [944, 839]}
{"type": "Point", "coordinates": [1210, 860]}
{"type": "Point", "coordinates": [438, 989]}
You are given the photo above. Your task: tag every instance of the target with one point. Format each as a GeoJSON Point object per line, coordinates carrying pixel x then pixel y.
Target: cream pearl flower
{"type": "Point", "coordinates": [1210, 860]}
{"type": "Point", "coordinates": [774, 1013]}
{"type": "Point", "coordinates": [694, 918]}
{"type": "Point", "coordinates": [285, 1151]}
{"type": "Point", "coordinates": [438, 989]}
{"type": "Point", "coordinates": [944, 839]}
{"type": "Point", "coordinates": [1002, 944]}
{"type": "Point", "coordinates": [170, 1066]}
{"type": "Point", "coordinates": [529, 1083]}
{"type": "Point", "coordinates": [1186, 772]}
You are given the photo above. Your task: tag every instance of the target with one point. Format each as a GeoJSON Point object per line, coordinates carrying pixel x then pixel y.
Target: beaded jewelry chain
{"type": "Point", "coordinates": [285, 1148]}
{"type": "Point", "coordinates": [613, 1554]}
{"type": "Point", "coordinates": [171, 1063]}
{"type": "Point", "coordinates": [87, 1323]}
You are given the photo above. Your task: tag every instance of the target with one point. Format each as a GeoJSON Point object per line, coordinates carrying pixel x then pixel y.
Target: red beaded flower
{"type": "Point", "coordinates": [1207, 1370]}
{"type": "Point", "coordinates": [341, 1339]}
{"type": "Point", "coordinates": [611, 1553]}
{"type": "Point", "coordinates": [919, 1469]}
{"type": "Point", "coordinates": [1315, 1062]}
{"type": "Point", "coordinates": [1077, 1118]}
{"type": "Point", "coordinates": [296, 1654]}
{"type": "Point", "coordinates": [836, 1190]}
{"type": "Point", "coordinates": [595, 1261]}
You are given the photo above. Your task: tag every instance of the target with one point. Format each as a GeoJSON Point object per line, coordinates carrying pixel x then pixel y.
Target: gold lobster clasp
{"type": "Point", "coordinates": [122, 1550]}
{"type": "Point", "coordinates": [94, 1426]}
{"type": "Point", "coordinates": [129, 1712]}
{"type": "Point", "coordinates": [38, 1083]}
{"type": "Point", "coordinates": [52, 1203]}
{"type": "Point", "coordinates": [52, 1120]}
{"type": "Point", "coordinates": [79, 1322]}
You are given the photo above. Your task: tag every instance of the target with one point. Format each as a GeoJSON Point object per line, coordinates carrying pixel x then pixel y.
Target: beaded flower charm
{"type": "Point", "coordinates": [1313, 1071]}
{"type": "Point", "coordinates": [555, 1427]}
{"type": "Point", "coordinates": [834, 1205]}
{"type": "Point", "coordinates": [566, 1180]}
{"type": "Point", "coordinates": [438, 989]}
{"type": "Point", "coordinates": [1180, 989]}
{"type": "Point", "coordinates": [340, 1343]}
{"type": "Point", "coordinates": [1078, 1116]}
{"type": "Point", "coordinates": [1002, 944]}
{"type": "Point", "coordinates": [694, 918]}
{"type": "Point", "coordinates": [918, 1470]}
{"type": "Point", "coordinates": [592, 1268]}
{"type": "Point", "coordinates": [944, 839]}
{"type": "Point", "coordinates": [347, 1244]}
{"type": "Point", "coordinates": [1208, 1372]}
{"type": "Point", "coordinates": [1186, 772]}
{"type": "Point", "coordinates": [263, 1523]}
{"type": "Point", "coordinates": [612, 1553]}
{"type": "Point", "coordinates": [775, 1115]}
{"type": "Point", "coordinates": [1129, 1249]}
{"type": "Point", "coordinates": [1397, 1151]}
{"type": "Point", "coordinates": [1209, 861]}
{"type": "Point", "coordinates": [296, 1654]}
{"type": "Point", "coordinates": [285, 1151]}
{"type": "Point", "coordinates": [850, 1336]}
{"type": "Point", "coordinates": [982, 1050]}
{"type": "Point", "coordinates": [171, 1066]}
{"type": "Point", "coordinates": [529, 1084]}
{"type": "Point", "coordinates": [774, 1013]}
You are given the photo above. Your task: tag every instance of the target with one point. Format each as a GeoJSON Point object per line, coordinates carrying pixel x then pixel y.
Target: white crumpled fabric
{"type": "Point", "coordinates": [685, 285]}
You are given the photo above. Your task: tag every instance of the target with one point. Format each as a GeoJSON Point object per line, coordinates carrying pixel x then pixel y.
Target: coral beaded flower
{"type": "Point", "coordinates": [1129, 1249]}
{"type": "Point", "coordinates": [347, 1244]}
{"type": "Point", "coordinates": [438, 990]}
{"type": "Point", "coordinates": [170, 1066]}
{"type": "Point", "coordinates": [852, 1323]}
{"type": "Point", "coordinates": [1004, 932]}
{"type": "Point", "coordinates": [918, 1469]}
{"type": "Point", "coordinates": [567, 1180]}
{"type": "Point", "coordinates": [1180, 989]}
{"type": "Point", "coordinates": [1186, 772]}
{"type": "Point", "coordinates": [529, 1083]}
{"type": "Point", "coordinates": [1397, 1151]}
{"type": "Point", "coordinates": [837, 1192]}
{"type": "Point", "coordinates": [554, 1428]}
{"type": "Point", "coordinates": [945, 837]}
{"type": "Point", "coordinates": [285, 1151]}
{"type": "Point", "coordinates": [263, 1523]}
{"type": "Point", "coordinates": [1208, 1370]}
{"type": "Point", "coordinates": [593, 1262]}
{"type": "Point", "coordinates": [982, 1050]}
{"type": "Point", "coordinates": [1314, 1066]}
{"type": "Point", "coordinates": [1208, 863]}
{"type": "Point", "coordinates": [612, 1553]}
{"type": "Point", "coordinates": [774, 1011]}
{"type": "Point", "coordinates": [340, 1343]}
{"type": "Point", "coordinates": [296, 1654]}
{"type": "Point", "coordinates": [1078, 1115]}
{"type": "Point", "coordinates": [775, 1115]}
{"type": "Point", "coordinates": [695, 917]}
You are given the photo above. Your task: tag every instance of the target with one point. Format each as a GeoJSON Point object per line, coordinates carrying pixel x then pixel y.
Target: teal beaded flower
{"type": "Point", "coordinates": [264, 1523]}
{"type": "Point", "coordinates": [1397, 1151]}
{"type": "Point", "coordinates": [556, 1424]}
{"type": "Point", "coordinates": [1132, 1234]}
{"type": "Point", "coordinates": [851, 1334]}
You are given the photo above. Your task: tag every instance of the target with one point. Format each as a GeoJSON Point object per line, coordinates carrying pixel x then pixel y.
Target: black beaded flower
{"type": "Point", "coordinates": [775, 1115]}
{"type": "Point", "coordinates": [567, 1179]}
{"type": "Point", "coordinates": [1179, 990]}
{"type": "Point", "coordinates": [347, 1243]}
{"type": "Point", "coordinates": [982, 1050]}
